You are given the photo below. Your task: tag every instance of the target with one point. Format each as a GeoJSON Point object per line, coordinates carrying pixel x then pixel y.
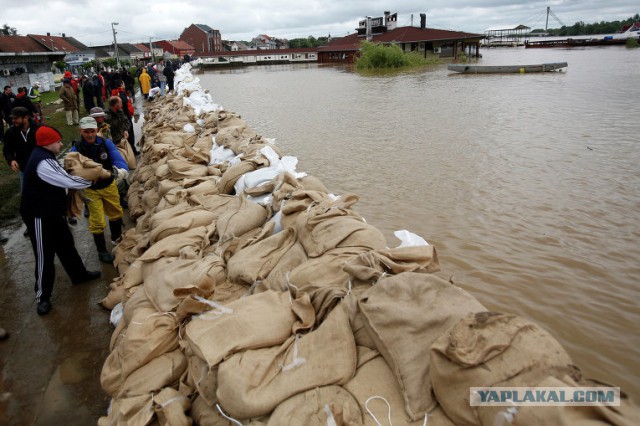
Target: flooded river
{"type": "Point", "coordinates": [528, 185]}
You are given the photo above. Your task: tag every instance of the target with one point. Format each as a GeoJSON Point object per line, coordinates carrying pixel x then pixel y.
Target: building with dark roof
{"type": "Point", "coordinates": [25, 60]}
{"type": "Point", "coordinates": [58, 43]}
{"type": "Point", "coordinates": [202, 38]}
{"type": "Point", "coordinates": [421, 39]}
{"type": "Point", "coordinates": [175, 48]}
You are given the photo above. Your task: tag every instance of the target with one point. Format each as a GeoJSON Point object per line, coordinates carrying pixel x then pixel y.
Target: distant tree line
{"type": "Point", "coordinates": [580, 28]}
{"type": "Point", "coordinates": [308, 42]}
{"type": "Point", "coordinates": [7, 30]}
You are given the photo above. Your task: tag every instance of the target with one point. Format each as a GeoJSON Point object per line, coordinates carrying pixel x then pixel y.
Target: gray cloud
{"type": "Point", "coordinates": [244, 19]}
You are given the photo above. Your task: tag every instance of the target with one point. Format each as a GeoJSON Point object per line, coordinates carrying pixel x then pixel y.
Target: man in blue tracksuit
{"type": "Point", "coordinates": [102, 196]}
{"type": "Point", "coordinates": [43, 207]}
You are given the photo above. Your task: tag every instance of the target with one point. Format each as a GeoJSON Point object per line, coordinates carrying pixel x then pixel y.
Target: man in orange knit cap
{"type": "Point", "coordinates": [43, 208]}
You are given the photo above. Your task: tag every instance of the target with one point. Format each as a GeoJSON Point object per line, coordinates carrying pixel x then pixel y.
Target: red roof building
{"type": "Point", "coordinates": [410, 39]}
{"type": "Point", "coordinates": [58, 44]}
{"type": "Point", "coordinates": [176, 48]}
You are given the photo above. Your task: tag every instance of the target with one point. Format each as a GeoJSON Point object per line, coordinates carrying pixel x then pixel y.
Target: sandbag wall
{"type": "Point", "coordinates": [249, 294]}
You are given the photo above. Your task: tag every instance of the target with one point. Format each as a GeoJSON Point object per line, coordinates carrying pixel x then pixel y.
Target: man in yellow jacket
{"type": "Point", "coordinates": [145, 83]}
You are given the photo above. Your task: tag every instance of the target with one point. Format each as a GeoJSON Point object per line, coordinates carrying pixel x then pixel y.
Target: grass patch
{"type": "Point", "coordinates": [376, 56]}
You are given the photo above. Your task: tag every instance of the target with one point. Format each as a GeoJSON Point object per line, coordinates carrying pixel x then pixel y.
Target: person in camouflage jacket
{"type": "Point", "coordinates": [118, 122]}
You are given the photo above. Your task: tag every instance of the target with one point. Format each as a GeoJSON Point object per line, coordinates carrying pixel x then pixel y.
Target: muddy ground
{"type": "Point", "coordinates": [50, 365]}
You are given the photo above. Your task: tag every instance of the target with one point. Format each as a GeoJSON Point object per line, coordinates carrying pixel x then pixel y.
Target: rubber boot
{"type": "Point", "coordinates": [101, 245]}
{"type": "Point", "coordinates": [115, 226]}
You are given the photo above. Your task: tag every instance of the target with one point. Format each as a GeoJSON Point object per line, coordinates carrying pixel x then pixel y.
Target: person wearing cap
{"type": "Point", "coordinates": [19, 140]}
{"type": "Point", "coordinates": [104, 130]}
{"type": "Point", "coordinates": [102, 196]}
{"type": "Point", "coordinates": [70, 101]}
{"type": "Point", "coordinates": [34, 95]}
{"type": "Point", "coordinates": [43, 207]}
{"type": "Point", "coordinates": [118, 122]}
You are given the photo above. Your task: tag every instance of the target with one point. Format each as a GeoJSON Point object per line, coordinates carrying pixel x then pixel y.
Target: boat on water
{"type": "Point", "coordinates": [500, 69]}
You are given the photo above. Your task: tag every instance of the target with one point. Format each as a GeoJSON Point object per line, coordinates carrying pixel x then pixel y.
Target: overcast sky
{"type": "Point", "coordinates": [138, 21]}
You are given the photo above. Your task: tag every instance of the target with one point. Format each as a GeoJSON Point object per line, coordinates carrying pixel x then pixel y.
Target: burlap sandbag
{"type": "Point", "coordinates": [429, 306]}
{"type": "Point", "coordinates": [197, 155]}
{"type": "Point", "coordinates": [256, 261]}
{"type": "Point", "coordinates": [186, 245]}
{"type": "Point", "coordinates": [227, 249]}
{"type": "Point", "coordinates": [332, 225]}
{"type": "Point", "coordinates": [164, 370]}
{"type": "Point", "coordinates": [77, 164]}
{"type": "Point", "coordinates": [232, 174]}
{"type": "Point", "coordinates": [124, 148]}
{"type": "Point", "coordinates": [179, 221]}
{"type": "Point", "coordinates": [136, 209]}
{"type": "Point", "coordinates": [170, 283]}
{"type": "Point", "coordinates": [176, 138]}
{"type": "Point", "coordinates": [318, 407]}
{"type": "Point", "coordinates": [204, 378]}
{"type": "Point", "coordinates": [171, 408]}
{"type": "Point", "coordinates": [183, 168]}
{"type": "Point", "coordinates": [229, 119]}
{"type": "Point", "coordinates": [326, 270]}
{"type": "Point", "coordinates": [215, 203]}
{"type": "Point", "coordinates": [162, 171]}
{"type": "Point", "coordinates": [487, 349]}
{"type": "Point", "coordinates": [150, 199]}
{"type": "Point", "coordinates": [258, 321]}
{"type": "Point", "coordinates": [207, 186]}
{"type": "Point", "coordinates": [149, 335]}
{"type": "Point", "coordinates": [325, 356]}
{"type": "Point", "coordinates": [158, 151]}
{"type": "Point", "coordinates": [134, 411]}
{"type": "Point", "coordinates": [167, 185]}
{"type": "Point", "coordinates": [374, 386]}
{"type": "Point", "coordinates": [235, 222]}
{"type": "Point", "coordinates": [357, 319]}
{"type": "Point", "coordinates": [208, 415]}
{"type": "Point", "coordinates": [278, 277]}
{"type": "Point", "coordinates": [115, 295]}
{"type": "Point", "coordinates": [371, 265]}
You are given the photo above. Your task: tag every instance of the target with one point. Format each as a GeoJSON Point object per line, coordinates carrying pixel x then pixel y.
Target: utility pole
{"type": "Point", "coordinates": [115, 44]}
{"type": "Point", "coordinates": [153, 54]}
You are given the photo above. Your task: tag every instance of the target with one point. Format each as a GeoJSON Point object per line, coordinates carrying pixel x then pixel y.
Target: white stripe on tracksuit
{"type": "Point", "coordinates": [37, 224]}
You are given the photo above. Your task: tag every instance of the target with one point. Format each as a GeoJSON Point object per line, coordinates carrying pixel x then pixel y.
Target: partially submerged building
{"type": "Point", "coordinates": [443, 43]}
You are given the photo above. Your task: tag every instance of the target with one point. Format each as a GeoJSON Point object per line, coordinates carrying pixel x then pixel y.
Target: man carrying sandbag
{"type": "Point", "coordinates": [102, 196]}
{"type": "Point", "coordinates": [43, 207]}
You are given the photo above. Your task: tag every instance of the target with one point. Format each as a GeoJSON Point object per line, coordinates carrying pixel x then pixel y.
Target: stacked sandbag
{"type": "Point", "coordinates": [77, 164]}
{"type": "Point", "coordinates": [249, 294]}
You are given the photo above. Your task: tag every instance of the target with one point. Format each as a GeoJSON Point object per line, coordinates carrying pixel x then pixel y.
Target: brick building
{"type": "Point", "coordinates": [203, 38]}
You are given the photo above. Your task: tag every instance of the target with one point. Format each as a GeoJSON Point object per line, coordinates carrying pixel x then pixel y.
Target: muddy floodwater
{"type": "Point", "coordinates": [528, 185]}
